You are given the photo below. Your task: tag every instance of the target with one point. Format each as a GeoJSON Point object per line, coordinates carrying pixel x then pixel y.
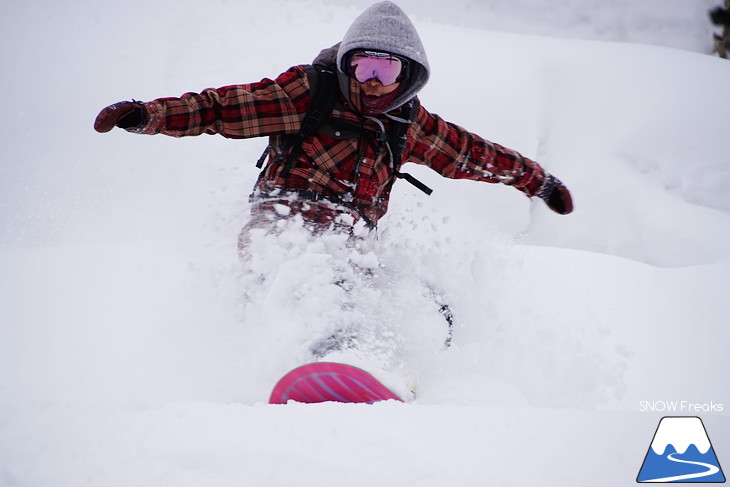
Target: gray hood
{"type": "Point", "coordinates": [385, 27]}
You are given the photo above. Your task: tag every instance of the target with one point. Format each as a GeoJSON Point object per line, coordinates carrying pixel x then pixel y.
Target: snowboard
{"type": "Point", "coordinates": [330, 381]}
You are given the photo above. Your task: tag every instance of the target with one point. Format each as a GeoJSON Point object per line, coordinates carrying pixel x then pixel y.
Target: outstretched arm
{"type": "Point", "coordinates": [459, 154]}
{"type": "Point", "coordinates": [239, 111]}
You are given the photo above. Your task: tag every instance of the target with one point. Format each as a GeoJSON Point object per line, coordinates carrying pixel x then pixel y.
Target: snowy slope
{"type": "Point", "coordinates": [680, 24]}
{"type": "Point", "coordinates": [128, 353]}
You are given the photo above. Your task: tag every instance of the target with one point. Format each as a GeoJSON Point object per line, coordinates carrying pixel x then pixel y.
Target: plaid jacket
{"type": "Point", "coordinates": [344, 167]}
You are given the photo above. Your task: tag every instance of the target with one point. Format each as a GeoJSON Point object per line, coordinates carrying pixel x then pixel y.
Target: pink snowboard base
{"type": "Point", "coordinates": [329, 381]}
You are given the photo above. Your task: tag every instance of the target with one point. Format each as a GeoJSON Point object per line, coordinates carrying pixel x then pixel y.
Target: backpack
{"type": "Point", "coordinates": [326, 91]}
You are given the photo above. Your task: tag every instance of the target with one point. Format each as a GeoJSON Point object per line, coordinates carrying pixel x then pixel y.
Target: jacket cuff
{"type": "Point", "coordinates": [548, 186]}
{"type": "Point", "coordinates": [132, 119]}
{"type": "Point", "coordinates": [152, 119]}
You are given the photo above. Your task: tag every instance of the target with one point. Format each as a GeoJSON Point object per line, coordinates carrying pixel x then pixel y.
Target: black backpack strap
{"type": "Point", "coordinates": [324, 88]}
{"type": "Point", "coordinates": [398, 132]}
{"type": "Point", "coordinates": [398, 138]}
{"type": "Point", "coordinates": [323, 100]}
{"type": "Point", "coordinates": [415, 182]}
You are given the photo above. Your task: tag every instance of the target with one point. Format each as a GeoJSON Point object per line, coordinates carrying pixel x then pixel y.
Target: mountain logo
{"type": "Point", "coordinates": [680, 452]}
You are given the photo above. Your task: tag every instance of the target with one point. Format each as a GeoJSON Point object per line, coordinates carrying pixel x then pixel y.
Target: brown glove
{"type": "Point", "coordinates": [125, 114]}
{"type": "Point", "coordinates": [556, 196]}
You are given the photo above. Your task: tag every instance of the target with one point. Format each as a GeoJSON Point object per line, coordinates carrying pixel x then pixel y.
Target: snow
{"type": "Point", "coordinates": [134, 350]}
{"type": "Point", "coordinates": [679, 24]}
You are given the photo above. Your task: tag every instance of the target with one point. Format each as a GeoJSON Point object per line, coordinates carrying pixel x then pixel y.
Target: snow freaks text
{"type": "Point", "coordinates": [680, 407]}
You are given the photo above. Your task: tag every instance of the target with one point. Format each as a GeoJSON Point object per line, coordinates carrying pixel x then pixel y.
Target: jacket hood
{"type": "Point", "coordinates": [385, 27]}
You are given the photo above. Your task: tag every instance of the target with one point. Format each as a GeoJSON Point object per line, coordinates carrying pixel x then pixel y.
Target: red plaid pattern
{"type": "Point", "coordinates": [351, 170]}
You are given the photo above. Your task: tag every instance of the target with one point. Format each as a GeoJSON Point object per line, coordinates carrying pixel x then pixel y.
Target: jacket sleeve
{"type": "Point", "coordinates": [239, 111]}
{"type": "Point", "coordinates": [458, 154]}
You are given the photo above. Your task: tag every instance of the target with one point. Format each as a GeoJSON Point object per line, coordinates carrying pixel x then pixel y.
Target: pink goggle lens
{"type": "Point", "coordinates": [384, 67]}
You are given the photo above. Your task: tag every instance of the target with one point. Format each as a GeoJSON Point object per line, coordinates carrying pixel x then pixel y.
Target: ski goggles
{"type": "Point", "coordinates": [385, 67]}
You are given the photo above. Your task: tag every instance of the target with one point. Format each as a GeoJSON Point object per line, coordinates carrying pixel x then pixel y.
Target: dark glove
{"type": "Point", "coordinates": [125, 114]}
{"type": "Point", "coordinates": [556, 196]}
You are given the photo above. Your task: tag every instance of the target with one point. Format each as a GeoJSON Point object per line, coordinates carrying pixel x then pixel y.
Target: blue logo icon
{"type": "Point", "coordinates": [681, 452]}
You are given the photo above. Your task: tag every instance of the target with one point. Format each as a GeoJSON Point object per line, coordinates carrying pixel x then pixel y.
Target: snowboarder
{"type": "Point", "coordinates": [336, 147]}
